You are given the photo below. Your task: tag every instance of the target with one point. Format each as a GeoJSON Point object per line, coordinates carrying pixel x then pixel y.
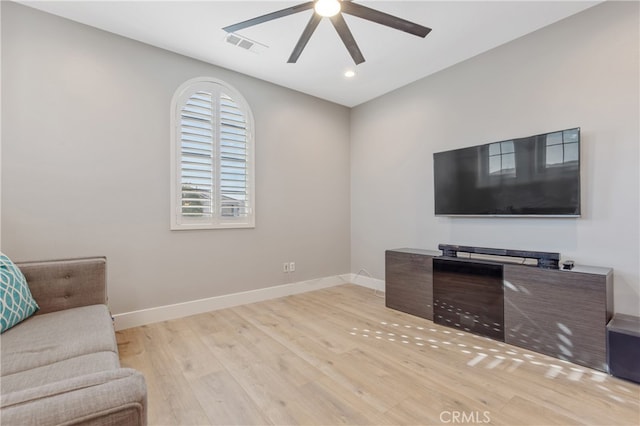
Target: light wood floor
{"type": "Point", "coordinates": [338, 356]}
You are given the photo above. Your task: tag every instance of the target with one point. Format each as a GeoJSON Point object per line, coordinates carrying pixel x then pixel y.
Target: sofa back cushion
{"type": "Point", "coordinates": [67, 283]}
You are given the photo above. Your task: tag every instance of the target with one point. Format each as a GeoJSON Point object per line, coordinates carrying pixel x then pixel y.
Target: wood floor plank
{"type": "Point", "coordinates": [331, 404]}
{"type": "Point", "coordinates": [339, 356]}
{"type": "Point", "coordinates": [270, 390]}
{"type": "Point", "coordinates": [527, 412]}
{"type": "Point", "coordinates": [270, 352]}
{"type": "Point", "coordinates": [189, 351]}
{"type": "Point", "coordinates": [129, 342]}
{"type": "Point", "coordinates": [159, 410]}
{"type": "Point", "coordinates": [225, 402]}
{"type": "Point", "coordinates": [173, 387]}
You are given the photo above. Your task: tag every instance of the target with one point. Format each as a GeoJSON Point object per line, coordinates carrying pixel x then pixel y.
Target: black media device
{"type": "Point", "coordinates": [545, 259]}
{"type": "Point", "coordinates": [531, 176]}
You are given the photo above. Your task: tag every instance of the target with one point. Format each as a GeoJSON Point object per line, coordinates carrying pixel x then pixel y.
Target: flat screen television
{"type": "Point", "coordinates": [532, 176]}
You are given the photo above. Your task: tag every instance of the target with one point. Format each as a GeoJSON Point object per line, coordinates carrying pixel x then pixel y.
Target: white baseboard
{"type": "Point", "coordinates": [194, 307]}
{"type": "Point", "coordinates": [369, 282]}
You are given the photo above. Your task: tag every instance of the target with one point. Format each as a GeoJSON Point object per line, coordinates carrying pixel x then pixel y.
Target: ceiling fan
{"type": "Point", "coordinates": [333, 9]}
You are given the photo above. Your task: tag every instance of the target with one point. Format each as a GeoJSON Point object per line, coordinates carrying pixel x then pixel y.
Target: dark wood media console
{"type": "Point", "coordinates": [408, 281]}
{"type": "Point", "coordinates": [560, 313]}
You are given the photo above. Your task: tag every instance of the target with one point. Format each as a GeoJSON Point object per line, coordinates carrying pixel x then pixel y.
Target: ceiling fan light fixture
{"type": "Point", "coordinates": [327, 8]}
{"type": "Point", "coordinates": [333, 9]}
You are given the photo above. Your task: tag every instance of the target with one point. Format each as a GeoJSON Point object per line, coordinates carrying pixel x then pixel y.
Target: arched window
{"type": "Point", "coordinates": [212, 157]}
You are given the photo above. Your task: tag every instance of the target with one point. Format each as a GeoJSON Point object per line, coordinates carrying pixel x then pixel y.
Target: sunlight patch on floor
{"type": "Point", "coordinates": [502, 356]}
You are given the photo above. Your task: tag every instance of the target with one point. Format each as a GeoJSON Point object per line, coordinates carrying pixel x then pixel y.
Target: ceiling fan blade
{"type": "Point", "coordinates": [382, 18]}
{"type": "Point", "coordinates": [347, 38]}
{"type": "Point", "coordinates": [304, 38]}
{"type": "Point", "coordinates": [269, 16]}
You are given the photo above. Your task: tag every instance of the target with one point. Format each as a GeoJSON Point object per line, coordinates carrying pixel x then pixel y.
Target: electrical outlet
{"type": "Point", "coordinates": [285, 267]}
{"type": "Point", "coordinates": [292, 266]}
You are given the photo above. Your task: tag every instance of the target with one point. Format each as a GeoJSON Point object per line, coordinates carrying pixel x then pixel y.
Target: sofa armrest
{"type": "Point", "coordinates": [114, 397]}
{"type": "Point", "coordinates": [68, 283]}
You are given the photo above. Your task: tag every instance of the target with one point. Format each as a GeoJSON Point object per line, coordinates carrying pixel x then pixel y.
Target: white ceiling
{"type": "Point", "coordinates": [461, 29]}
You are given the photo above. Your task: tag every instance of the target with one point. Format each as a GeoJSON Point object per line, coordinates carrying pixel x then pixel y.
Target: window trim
{"type": "Point", "coordinates": [217, 221]}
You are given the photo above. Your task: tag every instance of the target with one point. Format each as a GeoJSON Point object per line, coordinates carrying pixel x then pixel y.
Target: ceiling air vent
{"type": "Point", "coordinates": [245, 43]}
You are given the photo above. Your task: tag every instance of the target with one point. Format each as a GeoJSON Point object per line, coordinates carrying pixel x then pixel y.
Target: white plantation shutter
{"type": "Point", "coordinates": [212, 156]}
{"type": "Point", "coordinates": [234, 191]}
{"type": "Point", "coordinates": [197, 156]}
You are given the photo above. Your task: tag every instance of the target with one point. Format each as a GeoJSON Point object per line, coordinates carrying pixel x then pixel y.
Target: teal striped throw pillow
{"type": "Point", "coordinates": [16, 301]}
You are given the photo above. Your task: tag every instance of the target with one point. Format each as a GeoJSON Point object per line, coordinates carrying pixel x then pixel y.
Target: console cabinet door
{"type": "Point", "coordinates": [562, 314]}
{"type": "Point", "coordinates": [408, 286]}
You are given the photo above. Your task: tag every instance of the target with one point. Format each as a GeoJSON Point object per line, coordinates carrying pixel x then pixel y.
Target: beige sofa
{"type": "Point", "coordinates": [61, 365]}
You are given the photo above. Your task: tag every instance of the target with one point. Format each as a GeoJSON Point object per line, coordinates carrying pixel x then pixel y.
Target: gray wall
{"type": "Point", "coordinates": [85, 159]}
{"type": "Point", "coordinates": [85, 168]}
{"type": "Point", "coordinates": [582, 71]}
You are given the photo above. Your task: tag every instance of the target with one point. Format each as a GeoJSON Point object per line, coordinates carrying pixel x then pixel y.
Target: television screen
{"type": "Point", "coordinates": [533, 176]}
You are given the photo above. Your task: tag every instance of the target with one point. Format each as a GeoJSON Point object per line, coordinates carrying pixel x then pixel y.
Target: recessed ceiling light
{"type": "Point", "coordinates": [349, 73]}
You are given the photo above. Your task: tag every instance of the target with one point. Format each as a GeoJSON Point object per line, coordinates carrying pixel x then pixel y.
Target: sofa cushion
{"type": "Point", "coordinates": [16, 302]}
{"type": "Point", "coordinates": [114, 397]}
{"type": "Point", "coordinates": [46, 339]}
{"type": "Point", "coordinates": [64, 284]}
{"type": "Point", "coordinates": [59, 371]}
